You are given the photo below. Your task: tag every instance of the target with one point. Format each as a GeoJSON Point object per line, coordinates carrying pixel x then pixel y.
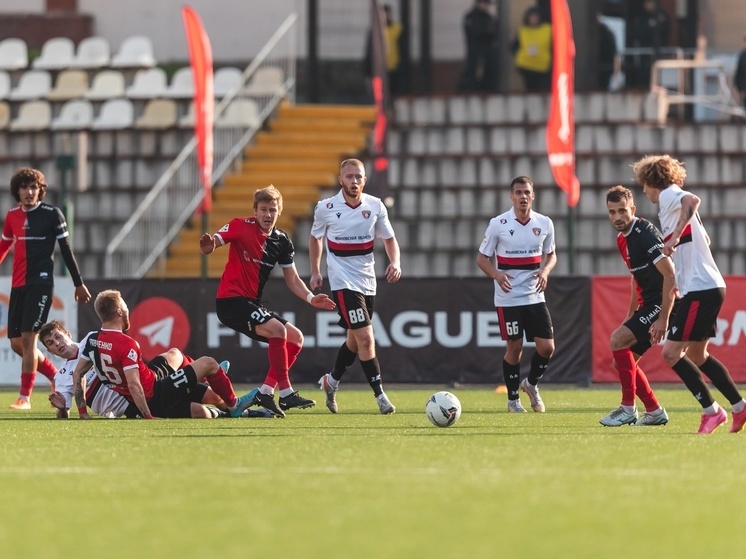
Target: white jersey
{"type": "Point", "coordinates": [99, 397]}
{"type": "Point", "coordinates": [695, 267]}
{"type": "Point", "coordinates": [518, 249]}
{"type": "Point", "coordinates": [350, 235]}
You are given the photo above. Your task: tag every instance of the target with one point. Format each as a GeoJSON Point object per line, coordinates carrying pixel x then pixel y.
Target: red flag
{"type": "Point", "coordinates": [200, 58]}
{"type": "Point", "coordinates": [379, 83]}
{"type": "Point", "coordinates": [561, 123]}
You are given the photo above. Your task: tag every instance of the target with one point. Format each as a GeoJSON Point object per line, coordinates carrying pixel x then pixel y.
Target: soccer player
{"type": "Point", "coordinates": [119, 362]}
{"type": "Point", "coordinates": [351, 220]}
{"type": "Point", "coordinates": [650, 305]}
{"type": "Point", "coordinates": [522, 243]}
{"type": "Point", "coordinates": [256, 246]}
{"type": "Point", "coordinates": [700, 285]}
{"type": "Point", "coordinates": [33, 227]}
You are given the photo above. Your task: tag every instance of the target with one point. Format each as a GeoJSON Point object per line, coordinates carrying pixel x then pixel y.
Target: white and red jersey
{"type": "Point", "coordinates": [695, 267]}
{"type": "Point", "coordinates": [113, 352]}
{"type": "Point", "coordinates": [350, 234]}
{"type": "Point", "coordinates": [518, 248]}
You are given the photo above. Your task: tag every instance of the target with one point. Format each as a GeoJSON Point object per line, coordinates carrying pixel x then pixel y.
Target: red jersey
{"type": "Point", "coordinates": [253, 255]}
{"type": "Point", "coordinates": [112, 353]}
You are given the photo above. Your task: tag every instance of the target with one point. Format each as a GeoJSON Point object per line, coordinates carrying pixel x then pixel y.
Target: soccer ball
{"type": "Point", "coordinates": [443, 409]}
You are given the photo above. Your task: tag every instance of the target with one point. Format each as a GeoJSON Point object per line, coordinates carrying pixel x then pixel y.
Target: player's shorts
{"type": "Point", "coordinates": [639, 324]}
{"type": "Point", "coordinates": [173, 395]}
{"type": "Point", "coordinates": [107, 403]}
{"type": "Point", "coordinates": [696, 316]}
{"type": "Point", "coordinates": [28, 308]}
{"type": "Point", "coordinates": [354, 308]}
{"type": "Point", "coordinates": [159, 365]}
{"type": "Point", "coordinates": [244, 315]}
{"type": "Point", "coordinates": [532, 320]}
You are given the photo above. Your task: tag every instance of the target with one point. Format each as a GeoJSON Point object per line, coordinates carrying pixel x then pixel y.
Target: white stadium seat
{"type": "Point", "coordinates": [57, 53]}
{"type": "Point", "coordinates": [93, 52]}
{"type": "Point", "coordinates": [135, 52]}
{"type": "Point", "coordinates": [74, 115]}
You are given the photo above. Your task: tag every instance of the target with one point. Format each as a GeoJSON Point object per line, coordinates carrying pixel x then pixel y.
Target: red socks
{"type": "Point", "coordinates": [221, 385]}
{"type": "Point", "coordinates": [293, 351]}
{"type": "Point", "coordinates": [278, 363]}
{"type": "Point", "coordinates": [644, 392]}
{"type": "Point", "coordinates": [27, 383]}
{"type": "Point", "coordinates": [626, 366]}
{"type": "Point", "coordinates": [46, 368]}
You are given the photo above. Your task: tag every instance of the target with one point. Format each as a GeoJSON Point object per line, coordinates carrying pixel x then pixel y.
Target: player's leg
{"type": "Point", "coordinates": [289, 397]}
{"type": "Point", "coordinates": [537, 324]}
{"type": "Point", "coordinates": [511, 330]}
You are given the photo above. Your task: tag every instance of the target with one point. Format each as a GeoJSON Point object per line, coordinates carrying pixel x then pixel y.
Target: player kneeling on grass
{"type": "Point", "coordinates": [119, 362]}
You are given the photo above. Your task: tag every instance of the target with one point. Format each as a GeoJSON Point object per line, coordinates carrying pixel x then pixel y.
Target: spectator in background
{"type": "Point", "coordinates": [608, 57]}
{"type": "Point", "coordinates": [480, 31]}
{"type": "Point", "coordinates": [532, 49]}
{"type": "Point", "coordinates": [739, 79]}
{"type": "Point", "coordinates": [648, 31]}
{"type": "Point", "coordinates": [393, 35]}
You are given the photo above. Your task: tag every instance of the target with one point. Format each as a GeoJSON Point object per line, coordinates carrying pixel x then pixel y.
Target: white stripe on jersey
{"type": "Point", "coordinates": [351, 229]}
{"type": "Point", "coordinates": [696, 269]}
{"type": "Point", "coordinates": [507, 239]}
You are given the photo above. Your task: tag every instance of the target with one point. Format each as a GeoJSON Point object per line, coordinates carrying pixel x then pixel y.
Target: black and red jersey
{"type": "Point", "coordinates": [642, 247]}
{"type": "Point", "coordinates": [253, 255]}
{"type": "Point", "coordinates": [34, 233]}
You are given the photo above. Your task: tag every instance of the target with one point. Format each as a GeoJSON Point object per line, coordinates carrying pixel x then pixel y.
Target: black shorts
{"type": "Point", "coordinates": [533, 320]}
{"type": "Point", "coordinates": [173, 395]}
{"type": "Point", "coordinates": [354, 308]}
{"type": "Point", "coordinates": [639, 324]}
{"type": "Point", "coordinates": [160, 367]}
{"type": "Point", "coordinates": [243, 315]}
{"type": "Point", "coordinates": [696, 316]}
{"type": "Point", "coordinates": [28, 308]}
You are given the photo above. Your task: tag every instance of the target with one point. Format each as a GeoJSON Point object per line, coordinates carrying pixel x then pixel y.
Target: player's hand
{"type": "Point", "coordinates": [322, 301]}
{"type": "Point", "coordinates": [206, 243]}
{"type": "Point", "coordinates": [393, 273]}
{"type": "Point", "coordinates": [675, 292]}
{"type": "Point", "coordinates": [57, 400]}
{"type": "Point", "coordinates": [658, 330]}
{"type": "Point", "coordinates": [541, 280]}
{"type": "Point", "coordinates": [504, 282]}
{"type": "Point", "coordinates": [82, 294]}
{"type": "Point", "coordinates": [670, 246]}
{"type": "Point", "coordinates": [315, 282]}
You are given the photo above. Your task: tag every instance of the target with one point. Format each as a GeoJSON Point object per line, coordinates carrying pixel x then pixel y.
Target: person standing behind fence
{"type": "Point", "coordinates": [480, 31]}
{"type": "Point", "coordinates": [648, 31]}
{"type": "Point", "coordinates": [33, 227]}
{"type": "Point", "coordinates": [702, 290]}
{"type": "Point", "coordinates": [532, 50]}
{"type": "Point", "coordinates": [393, 35]}
{"type": "Point", "coordinates": [522, 243]}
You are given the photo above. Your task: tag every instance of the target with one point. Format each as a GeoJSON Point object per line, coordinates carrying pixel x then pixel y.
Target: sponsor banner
{"type": "Point", "coordinates": [63, 309]}
{"type": "Point", "coordinates": [610, 301]}
{"type": "Point", "coordinates": [428, 331]}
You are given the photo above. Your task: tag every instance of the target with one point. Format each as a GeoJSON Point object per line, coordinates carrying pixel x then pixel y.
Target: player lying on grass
{"type": "Point", "coordinates": [100, 397]}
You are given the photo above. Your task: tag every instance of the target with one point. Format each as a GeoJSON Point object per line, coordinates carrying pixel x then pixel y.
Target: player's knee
{"type": "Point", "coordinates": [295, 336]}
{"type": "Point", "coordinates": [671, 354]}
{"type": "Point", "coordinates": [205, 366]}
{"type": "Point", "coordinates": [199, 411]}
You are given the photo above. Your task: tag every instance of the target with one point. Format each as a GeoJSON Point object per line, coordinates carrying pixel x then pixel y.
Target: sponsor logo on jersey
{"type": "Point", "coordinates": [132, 355]}
{"type": "Point", "coordinates": [339, 214]}
{"type": "Point", "coordinates": [511, 232]}
{"type": "Point", "coordinates": [223, 229]}
{"type": "Point", "coordinates": [537, 231]}
{"type": "Point", "coordinates": [366, 214]}
{"type": "Point", "coordinates": [503, 221]}
{"type": "Point", "coordinates": [329, 205]}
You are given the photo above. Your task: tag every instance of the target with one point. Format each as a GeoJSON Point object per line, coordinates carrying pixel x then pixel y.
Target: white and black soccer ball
{"type": "Point", "coordinates": [443, 409]}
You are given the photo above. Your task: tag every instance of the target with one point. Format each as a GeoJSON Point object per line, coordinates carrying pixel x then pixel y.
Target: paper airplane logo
{"type": "Point", "coordinates": [159, 332]}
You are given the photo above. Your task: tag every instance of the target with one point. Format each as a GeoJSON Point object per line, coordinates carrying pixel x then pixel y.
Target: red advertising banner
{"type": "Point", "coordinates": [609, 304]}
{"type": "Point", "coordinates": [200, 57]}
{"type": "Point", "coordinates": [561, 123]}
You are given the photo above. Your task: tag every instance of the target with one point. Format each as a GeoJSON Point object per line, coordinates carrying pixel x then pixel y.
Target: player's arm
{"type": "Point", "coordinates": [632, 299]}
{"type": "Point", "coordinates": [57, 399]}
{"type": "Point", "coordinates": [298, 287]}
{"type": "Point", "coordinates": [548, 262]}
{"type": "Point", "coordinates": [5, 245]}
{"type": "Point", "coordinates": [207, 243]}
{"type": "Point", "coordinates": [81, 369]}
{"type": "Point", "coordinates": [315, 248]}
{"type": "Point", "coordinates": [689, 206]}
{"type": "Point", "coordinates": [393, 270]}
{"type": "Point", "coordinates": [660, 326]}
{"type": "Point", "coordinates": [503, 279]}
{"type": "Point", "coordinates": [132, 375]}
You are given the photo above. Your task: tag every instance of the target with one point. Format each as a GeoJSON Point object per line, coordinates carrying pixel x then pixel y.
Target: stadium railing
{"type": "Point", "coordinates": [175, 197]}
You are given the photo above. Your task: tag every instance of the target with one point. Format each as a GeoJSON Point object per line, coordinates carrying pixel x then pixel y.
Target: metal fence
{"type": "Point", "coordinates": [173, 200]}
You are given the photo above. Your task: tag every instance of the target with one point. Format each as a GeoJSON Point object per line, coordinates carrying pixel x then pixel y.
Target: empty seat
{"type": "Point", "coordinates": [33, 115]}
{"type": "Point", "coordinates": [115, 114]}
{"type": "Point", "coordinates": [4, 85]}
{"type": "Point", "coordinates": [158, 114]}
{"type": "Point", "coordinates": [74, 115]}
{"type": "Point", "coordinates": [93, 52]}
{"type": "Point", "coordinates": [4, 115]}
{"type": "Point", "coordinates": [57, 53]}
{"type": "Point", "coordinates": [225, 80]}
{"type": "Point", "coordinates": [266, 81]}
{"type": "Point", "coordinates": [34, 84]}
{"type": "Point", "coordinates": [241, 112]}
{"type": "Point", "coordinates": [13, 54]}
{"type": "Point", "coordinates": [182, 84]}
{"type": "Point", "coordinates": [134, 52]}
{"type": "Point", "coordinates": [148, 83]}
{"type": "Point", "coordinates": [187, 121]}
{"type": "Point", "coordinates": [106, 85]}
{"type": "Point", "coordinates": [70, 84]}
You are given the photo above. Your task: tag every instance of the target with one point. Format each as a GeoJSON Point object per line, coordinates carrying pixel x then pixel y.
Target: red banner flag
{"type": "Point", "coordinates": [561, 123]}
{"type": "Point", "coordinates": [200, 58]}
{"type": "Point", "coordinates": [379, 84]}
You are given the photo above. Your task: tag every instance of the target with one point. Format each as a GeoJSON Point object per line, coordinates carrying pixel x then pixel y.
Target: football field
{"type": "Point", "coordinates": [362, 485]}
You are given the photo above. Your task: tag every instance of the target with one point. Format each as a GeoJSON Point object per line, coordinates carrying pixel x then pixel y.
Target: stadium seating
{"type": "Point", "coordinates": [135, 52]}
{"type": "Point", "coordinates": [34, 84]}
{"type": "Point", "coordinates": [13, 54]}
{"type": "Point", "coordinates": [56, 54]}
{"type": "Point", "coordinates": [92, 53]}
{"type": "Point", "coordinates": [74, 115]}
{"type": "Point", "coordinates": [33, 115]}
{"type": "Point", "coordinates": [70, 84]}
{"type": "Point", "coordinates": [4, 115]}
{"type": "Point", "coordinates": [108, 84]}
{"type": "Point", "coordinates": [4, 85]}
{"type": "Point", "coordinates": [225, 80]}
{"type": "Point", "coordinates": [265, 81]}
{"type": "Point", "coordinates": [115, 114]}
{"type": "Point", "coordinates": [182, 84]}
{"type": "Point", "coordinates": [148, 84]}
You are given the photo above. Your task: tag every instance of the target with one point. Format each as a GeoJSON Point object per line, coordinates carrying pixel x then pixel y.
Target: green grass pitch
{"type": "Point", "coordinates": [361, 485]}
